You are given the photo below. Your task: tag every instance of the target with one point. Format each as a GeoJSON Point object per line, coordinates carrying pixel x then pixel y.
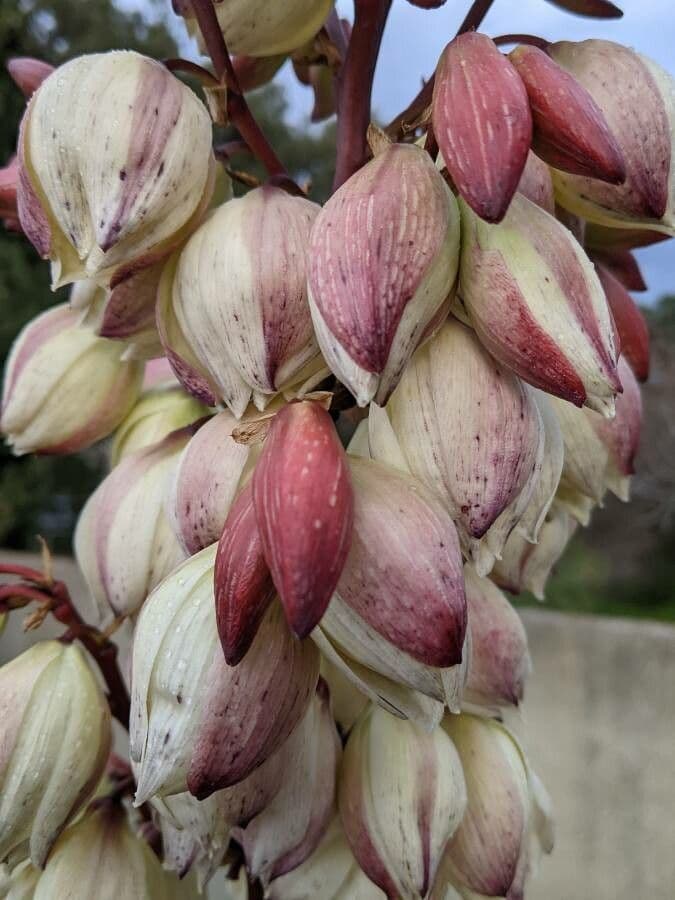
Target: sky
{"type": "Point", "coordinates": [415, 37]}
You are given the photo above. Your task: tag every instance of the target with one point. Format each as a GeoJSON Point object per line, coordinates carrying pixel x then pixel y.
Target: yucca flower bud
{"type": "Point", "coordinates": [500, 660]}
{"type": "Point", "coordinates": [600, 453]}
{"type": "Point", "coordinates": [485, 853]}
{"type": "Point", "coordinates": [196, 722]}
{"type": "Point", "coordinates": [331, 872]}
{"type": "Point", "coordinates": [482, 122]}
{"type": "Point", "coordinates": [55, 743]}
{"type": "Point", "coordinates": [527, 567]}
{"type": "Point", "coordinates": [115, 187]}
{"type": "Point", "coordinates": [469, 429]}
{"type": "Point", "coordinates": [537, 305]}
{"type": "Point", "coordinates": [285, 833]}
{"type": "Point", "coordinates": [64, 388]}
{"type": "Point", "coordinates": [158, 412]}
{"type": "Point", "coordinates": [28, 73]}
{"type": "Point", "coordinates": [304, 507]}
{"type": "Point", "coordinates": [536, 183]}
{"type": "Point", "coordinates": [620, 262]}
{"type": "Point", "coordinates": [9, 182]}
{"type": "Point", "coordinates": [124, 543]}
{"type": "Point", "coordinates": [210, 472]}
{"type": "Point", "coordinates": [630, 323]}
{"type": "Point", "coordinates": [570, 131]}
{"type": "Point", "coordinates": [258, 28]}
{"type": "Point", "coordinates": [100, 856]}
{"type": "Point", "coordinates": [401, 797]}
{"type": "Point", "coordinates": [232, 306]}
{"type": "Point", "coordinates": [637, 99]}
{"type": "Point", "coordinates": [382, 268]}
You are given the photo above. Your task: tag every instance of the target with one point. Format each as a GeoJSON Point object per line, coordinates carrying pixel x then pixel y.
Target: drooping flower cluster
{"type": "Point", "coordinates": [323, 656]}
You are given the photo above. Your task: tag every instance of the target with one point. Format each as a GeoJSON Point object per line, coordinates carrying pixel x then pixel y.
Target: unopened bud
{"type": "Point", "coordinates": [158, 412]}
{"type": "Point", "coordinates": [116, 185]}
{"type": "Point", "coordinates": [196, 722]}
{"type": "Point", "coordinates": [256, 28]}
{"type": "Point", "coordinates": [124, 543]}
{"type": "Point", "coordinates": [536, 183]}
{"type": "Point", "coordinates": [482, 123]}
{"type": "Point", "coordinates": [28, 73]}
{"type": "Point", "coordinates": [382, 268]}
{"type": "Point", "coordinates": [537, 305]}
{"type": "Point", "coordinates": [401, 789]}
{"type": "Point", "coordinates": [304, 507]}
{"type": "Point", "coordinates": [9, 182]}
{"type": "Point", "coordinates": [636, 98]}
{"type": "Point", "coordinates": [500, 660]}
{"type": "Point", "coordinates": [570, 131]}
{"type": "Point", "coordinates": [621, 264]}
{"type": "Point", "coordinates": [449, 422]}
{"type": "Point", "coordinates": [236, 297]}
{"type": "Point", "coordinates": [64, 388]}
{"type": "Point", "coordinates": [630, 323]}
{"type": "Point", "coordinates": [55, 743]}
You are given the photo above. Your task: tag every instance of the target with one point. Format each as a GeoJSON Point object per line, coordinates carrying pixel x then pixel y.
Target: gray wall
{"type": "Point", "coordinates": [600, 724]}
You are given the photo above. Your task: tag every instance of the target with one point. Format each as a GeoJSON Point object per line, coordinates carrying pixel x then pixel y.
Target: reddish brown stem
{"type": "Point", "coordinates": [532, 39]}
{"type": "Point", "coordinates": [22, 572]}
{"type": "Point", "coordinates": [23, 591]}
{"type": "Point", "coordinates": [398, 126]}
{"type": "Point", "coordinates": [237, 108]}
{"type": "Point", "coordinates": [356, 86]}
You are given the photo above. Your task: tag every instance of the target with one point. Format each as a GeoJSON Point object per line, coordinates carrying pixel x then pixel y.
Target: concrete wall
{"type": "Point", "coordinates": [600, 722]}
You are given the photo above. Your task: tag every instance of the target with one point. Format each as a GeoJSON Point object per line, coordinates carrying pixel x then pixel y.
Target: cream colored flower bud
{"type": "Point", "coordinates": [401, 797]}
{"type": "Point", "coordinates": [484, 856]}
{"type": "Point", "coordinates": [261, 28]}
{"type": "Point", "coordinates": [210, 472]}
{"type": "Point", "coordinates": [195, 721]}
{"type": "Point", "coordinates": [500, 659]}
{"type": "Point", "coordinates": [233, 308]}
{"type": "Point", "coordinates": [537, 304]}
{"type": "Point", "coordinates": [101, 857]}
{"type": "Point", "coordinates": [124, 543]}
{"type": "Point", "coordinates": [54, 746]}
{"type": "Point", "coordinates": [382, 268]}
{"type": "Point", "coordinates": [114, 187]}
{"type": "Point", "coordinates": [331, 872]}
{"type": "Point", "coordinates": [527, 567]}
{"type": "Point", "coordinates": [64, 387]}
{"type": "Point", "coordinates": [158, 412]}
{"type": "Point", "coordinates": [637, 99]}
{"type": "Point", "coordinates": [548, 479]}
{"type": "Point", "coordinates": [285, 833]}
{"type": "Point", "coordinates": [470, 430]}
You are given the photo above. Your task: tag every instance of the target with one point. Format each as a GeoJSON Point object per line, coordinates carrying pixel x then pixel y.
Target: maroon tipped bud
{"type": "Point", "coordinates": [482, 121]}
{"type": "Point", "coordinates": [601, 237]}
{"type": "Point", "coordinates": [594, 9]}
{"type": "Point", "coordinates": [9, 180]}
{"type": "Point", "coordinates": [28, 73]}
{"type": "Point", "coordinates": [570, 131]}
{"type": "Point", "coordinates": [304, 505]}
{"type": "Point", "coordinates": [536, 183]}
{"type": "Point", "coordinates": [623, 266]}
{"type": "Point", "coordinates": [243, 583]}
{"type": "Point", "coordinates": [629, 321]}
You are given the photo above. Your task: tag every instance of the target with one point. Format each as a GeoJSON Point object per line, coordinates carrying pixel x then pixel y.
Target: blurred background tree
{"type": "Point", "coordinates": [623, 564]}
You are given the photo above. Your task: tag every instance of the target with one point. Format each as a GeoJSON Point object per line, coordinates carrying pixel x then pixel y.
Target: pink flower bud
{"type": "Point", "coordinates": [482, 123]}
{"type": "Point", "coordinates": [536, 184]}
{"type": "Point", "coordinates": [209, 474]}
{"type": "Point", "coordinates": [9, 181]}
{"type": "Point", "coordinates": [28, 73]}
{"type": "Point", "coordinates": [630, 323]}
{"type": "Point", "coordinates": [243, 583]}
{"type": "Point", "coordinates": [500, 660]}
{"type": "Point", "coordinates": [382, 267]}
{"type": "Point", "coordinates": [537, 305]}
{"type": "Point", "coordinates": [286, 832]}
{"type": "Point", "coordinates": [636, 97]}
{"type": "Point", "coordinates": [64, 388]}
{"type": "Point", "coordinates": [304, 504]}
{"type": "Point", "coordinates": [570, 131]}
{"type": "Point", "coordinates": [403, 575]}
{"type": "Point", "coordinates": [232, 307]}
{"type": "Point", "coordinates": [621, 435]}
{"type": "Point", "coordinates": [621, 264]}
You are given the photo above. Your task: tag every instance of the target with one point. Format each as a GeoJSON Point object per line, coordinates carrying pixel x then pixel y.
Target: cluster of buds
{"type": "Point", "coordinates": [323, 656]}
